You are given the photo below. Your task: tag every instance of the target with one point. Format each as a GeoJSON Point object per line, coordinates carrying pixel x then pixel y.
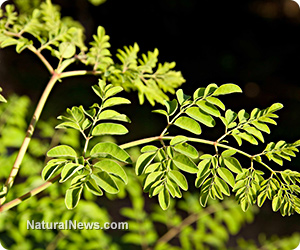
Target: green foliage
{"type": "Point", "coordinates": [81, 169]}
{"type": "Point", "coordinates": [40, 28]}
{"type": "Point", "coordinates": [97, 166]}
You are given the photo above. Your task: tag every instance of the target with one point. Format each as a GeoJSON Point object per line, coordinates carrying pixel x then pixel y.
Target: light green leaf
{"type": "Point", "coordinates": [261, 126]}
{"type": "Point", "coordinates": [215, 101]}
{"type": "Point", "coordinates": [143, 161]}
{"type": "Point", "coordinates": [208, 108]}
{"type": "Point", "coordinates": [68, 125]}
{"type": "Point", "coordinates": [178, 139]}
{"type": "Point", "coordinates": [109, 129]}
{"type": "Point", "coordinates": [179, 178]}
{"type": "Point", "coordinates": [210, 89]}
{"type": "Point", "coordinates": [51, 167]}
{"type": "Point", "coordinates": [72, 197]}
{"type": "Point", "coordinates": [164, 198]}
{"type": "Point", "coordinates": [110, 150]}
{"type": "Point", "coordinates": [181, 97]}
{"type": "Point", "coordinates": [171, 106]}
{"type": "Point", "coordinates": [228, 153]}
{"type": "Point", "coordinates": [184, 163]}
{"type": "Point", "coordinates": [188, 124]}
{"type": "Point", "coordinates": [198, 93]}
{"type": "Point", "coordinates": [67, 50]}
{"type": "Point", "coordinates": [113, 91]}
{"type": "Point", "coordinates": [149, 148]}
{"type": "Point", "coordinates": [201, 116]}
{"type": "Point", "coordinates": [161, 111]}
{"type": "Point", "coordinates": [255, 132]}
{"type": "Point", "coordinates": [105, 182]}
{"type": "Point", "coordinates": [249, 138]}
{"type": "Point", "coordinates": [227, 89]}
{"type": "Point", "coordinates": [151, 178]}
{"type": "Point", "coordinates": [226, 175]}
{"type": "Point", "coordinates": [92, 187]}
{"type": "Point", "coordinates": [69, 170]}
{"type": "Point", "coordinates": [276, 203]}
{"type": "Point", "coordinates": [233, 164]}
{"type": "Point", "coordinates": [109, 114]}
{"type": "Point", "coordinates": [261, 198]}
{"type": "Point", "coordinates": [222, 186]}
{"type": "Point", "coordinates": [62, 151]}
{"type": "Point", "coordinates": [112, 167]}
{"type": "Point", "coordinates": [187, 149]}
{"type": "Point", "coordinates": [113, 101]}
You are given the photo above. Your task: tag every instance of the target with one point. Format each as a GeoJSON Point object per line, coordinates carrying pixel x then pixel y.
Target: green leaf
{"type": "Point", "coordinates": [181, 97]}
{"type": "Point", "coordinates": [92, 187]}
{"type": "Point", "coordinates": [184, 163]}
{"type": "Point", "coordinates": [261, 126]}
{"type": "Point", "coordinates": [68, 125]}
{"type": "Point", "coordinates": [248, 137]}
{"type": "Point", "coordinates": [51, 167]}
{"type": "Point", "coordinates": [105, 182]}
{"type": "Point", "coordinates": [113, 91]}
{"type": "Point", "coordinates": [187, 149]}
{"type": "Point", "coordinates": [143, 161]}
{"type": "Point", "coordinates": [112, 167]}
{"type": "Point", "coordinates": [201, 116]}
{"type": "Point", "coordinates": [161, 111]}
{"type": "Point", "coordinates": [261, 198]}
{"type": "Point", "coordinates": [222, 186]}
{"type": "Point", "coordinates": [188, 124]}
{"type": "Point", "coordinates": [149, 148]}
{"type": "Point", "coordinates": [198, 93]}
{"type": "Point", "coordinates": [72, 197]}
{"type": "Point", "coordinates": [151, 178]}
{"type": "Point", "coordinates": [255, 132]}
{"type": "Point", "coordinates": [233, 164]}
{"type": "Point", "coordinates": [228, 153]}
{"type": "Point", "coordinates": [109, 129]}
{"type": "Point", "coordinates": [227, 89]}
{"type": "Point", "coordinates": [109, 114]}
{"type": "Point", "coordinates": [62, 151]}
{"type": "Point", "coordinates": [67, 50]}
{"type": "Point", "coordinates": [208, 108]}
{"type": "Point", "coordinates": [113, 101]}
{"type": "Point", "coordinates": [110, 150]}
{"type": "Point", "coordinates": [276, 203]}
{"type": "Point", "coordinates": [215, 101]}
{"type": "Point", "coordinates": [69, 170]}
{"type": "Point", "coordinates": [164, 198]}
{"type": "Point", "coordinates": [226, 175]}
{"type": "Point", "coordinates": [210, 89]}
{"type": "Point", "coordinates": [171, 106]}
{"type": "Point", "coordinates": [179, 178]}
{"type": "Point", "coordinates": [178, 139]}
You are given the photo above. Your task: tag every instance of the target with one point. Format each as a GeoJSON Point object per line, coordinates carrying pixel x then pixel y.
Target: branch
{"type": "Point", "coordinates": [33, 192]}
{"type": "Point", "coordinates": [130, 145]}
{"type": "Point", "coordinates": [15, 169]}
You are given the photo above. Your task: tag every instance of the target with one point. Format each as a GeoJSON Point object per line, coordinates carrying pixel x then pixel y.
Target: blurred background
{"type": "Point", "coordinates": [252, 43]}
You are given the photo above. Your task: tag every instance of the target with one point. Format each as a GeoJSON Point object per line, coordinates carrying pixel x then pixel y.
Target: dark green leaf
{"type": "Point", "coordinates": [72, 197]}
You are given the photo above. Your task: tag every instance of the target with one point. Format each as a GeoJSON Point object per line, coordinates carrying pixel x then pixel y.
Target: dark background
{"type": "Point", "coordinates": [255, 44]}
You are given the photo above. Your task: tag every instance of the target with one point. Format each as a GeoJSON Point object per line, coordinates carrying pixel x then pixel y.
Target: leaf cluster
{"type": "Point", "coordinates": [98, 169]}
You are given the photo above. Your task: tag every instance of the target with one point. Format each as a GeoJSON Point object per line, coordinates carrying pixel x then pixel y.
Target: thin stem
{"type": "Point", "coordinates": [42, 58]}
{"type": "Point", "coordinates": [79, 73]}
{"type": "Point", "coordinates": [15, 169]}
{"type": "Point", "coordinates": [31, 193]}
{"type": "Point", "coordinates": [130, 145]}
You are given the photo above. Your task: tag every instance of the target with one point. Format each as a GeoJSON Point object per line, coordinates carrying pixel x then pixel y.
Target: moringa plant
{"type": "Point", "coordinates": [165, 160]}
